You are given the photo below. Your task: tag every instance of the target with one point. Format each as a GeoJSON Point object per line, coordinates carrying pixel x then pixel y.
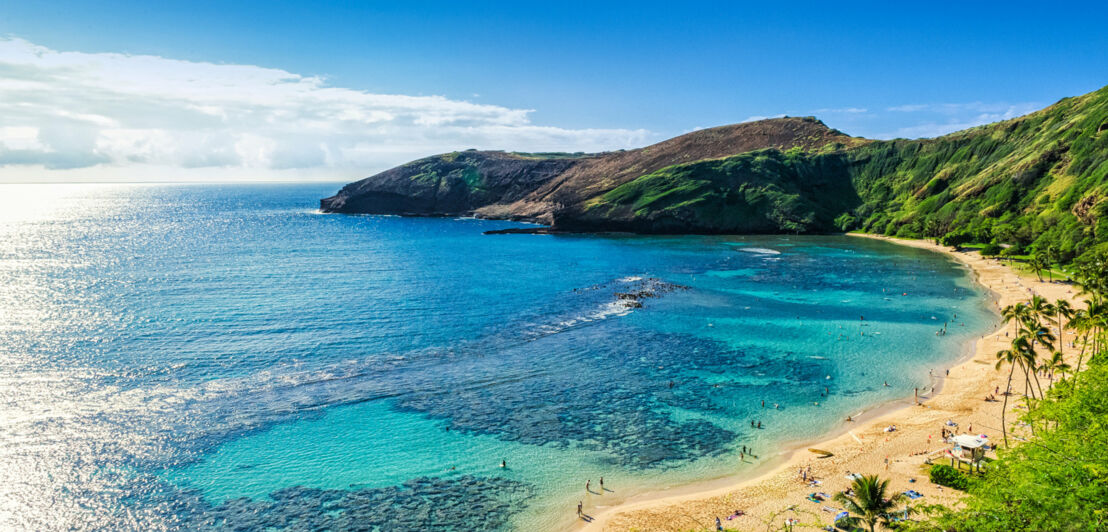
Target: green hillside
{"type": "Point", "coordinates": [1033, 183]}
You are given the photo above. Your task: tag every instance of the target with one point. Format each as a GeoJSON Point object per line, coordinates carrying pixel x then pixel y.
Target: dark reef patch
{"type": "Point", "coordinates": [461, 503]}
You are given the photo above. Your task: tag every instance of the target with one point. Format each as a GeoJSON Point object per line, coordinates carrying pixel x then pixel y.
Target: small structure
{"type": "Point", "coordinates": [968, 449]}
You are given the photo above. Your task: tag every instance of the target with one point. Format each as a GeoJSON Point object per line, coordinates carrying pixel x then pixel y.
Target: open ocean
{"type": "Point", "coordinates": [225, 356]}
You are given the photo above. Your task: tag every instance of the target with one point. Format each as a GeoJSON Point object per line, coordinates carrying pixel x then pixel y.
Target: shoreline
{"type": "Point", "coordinates": [857, 446]}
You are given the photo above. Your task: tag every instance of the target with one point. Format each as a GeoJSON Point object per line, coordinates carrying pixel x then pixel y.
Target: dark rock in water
{"type": "Point", "coordinates": [644, 289]}
{"type": "Point", "coordinates": [523, 231]}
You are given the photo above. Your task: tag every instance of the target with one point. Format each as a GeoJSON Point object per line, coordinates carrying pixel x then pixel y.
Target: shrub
{"type": "Point", "coordinates": [945, 475]}
{"type": "Point", "coordinates": [846, 222]}
{"type": "Point", "coordinates": [991, 250]}
{"type": "Point", "coordinates": [1014, 249]}
{"type": "Point", "coordinates": [957, 238]}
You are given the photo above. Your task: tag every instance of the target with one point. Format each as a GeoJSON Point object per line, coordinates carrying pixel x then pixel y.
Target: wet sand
{"type": "Point", "coordinates": [861, 445]}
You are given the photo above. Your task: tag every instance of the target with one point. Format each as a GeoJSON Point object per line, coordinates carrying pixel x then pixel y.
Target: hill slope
{"type": "Point", "coordinates": [535, 186]}
{"type": "Point", "coordinates": [1039, 181]}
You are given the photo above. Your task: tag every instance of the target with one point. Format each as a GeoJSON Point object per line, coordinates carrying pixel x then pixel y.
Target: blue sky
{"type": "Point", "coordinates": [513, 75]}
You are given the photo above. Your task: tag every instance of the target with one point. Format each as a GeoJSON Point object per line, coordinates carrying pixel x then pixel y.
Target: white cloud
{"type": "Point", "coordinates": [756, 118]}
{"type": "Point", "coordinates": [844, 110]}
{"type": "Point", "coordinates": [106, 114]}
{"type": "Point", "coordinates": [934, 120]}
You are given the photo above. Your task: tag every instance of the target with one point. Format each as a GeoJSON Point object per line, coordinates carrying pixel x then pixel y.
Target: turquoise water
{"type": "Point", "coordinates": [217, 356]}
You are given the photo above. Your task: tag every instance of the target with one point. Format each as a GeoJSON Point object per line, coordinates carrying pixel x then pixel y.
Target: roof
{"type": "Point", "coordinates": [968, 441]}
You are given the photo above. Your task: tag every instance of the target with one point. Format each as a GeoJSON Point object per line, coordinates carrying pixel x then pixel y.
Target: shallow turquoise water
{"type": "Point", "coordinates": [224, 356]}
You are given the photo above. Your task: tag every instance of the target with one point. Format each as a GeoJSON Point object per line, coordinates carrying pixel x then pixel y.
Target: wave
{"type": "Point", "coordinates": [760, 251]}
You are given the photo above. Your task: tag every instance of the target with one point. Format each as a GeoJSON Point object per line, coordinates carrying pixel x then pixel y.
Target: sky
{"type": "Point", "coordinates": [227, 91]}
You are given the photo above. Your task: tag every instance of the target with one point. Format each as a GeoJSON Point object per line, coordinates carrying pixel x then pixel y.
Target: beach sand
{"type": "Point", "coordinates": [860, 446]}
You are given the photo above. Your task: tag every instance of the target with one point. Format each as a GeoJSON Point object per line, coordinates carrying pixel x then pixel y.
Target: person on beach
{"type": "Point", "coordinates": [759, 424]}
{"type": "Point", "coordinates": [579, 506]}
{"type": "Point", "coordinates": [601, 484]}
{"type": "Point", "coordinates": [587, 483]}
{"type": "Point", "coordinates": [719, 525]}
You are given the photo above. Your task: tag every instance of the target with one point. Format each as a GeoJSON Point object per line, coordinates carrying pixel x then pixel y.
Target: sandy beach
{"type": "Point", "coordinates": [859, 446]}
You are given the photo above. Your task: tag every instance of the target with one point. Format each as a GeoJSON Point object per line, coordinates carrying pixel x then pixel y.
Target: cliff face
{"type": "Point", "coordinates": [1038, 182]}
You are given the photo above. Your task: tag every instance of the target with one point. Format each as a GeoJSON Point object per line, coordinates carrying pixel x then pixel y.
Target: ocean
{"type": "Point", "coordinates": [225, 356]}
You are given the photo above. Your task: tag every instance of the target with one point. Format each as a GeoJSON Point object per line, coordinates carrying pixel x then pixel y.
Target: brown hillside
{"type": "Point", "coordinates": [594, 176]}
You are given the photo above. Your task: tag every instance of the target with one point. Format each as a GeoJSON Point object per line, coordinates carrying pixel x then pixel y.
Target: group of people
{"type": "Point", "coordinates": [588, 489]}
{"type": "Point", "coordinates": [805, 473]}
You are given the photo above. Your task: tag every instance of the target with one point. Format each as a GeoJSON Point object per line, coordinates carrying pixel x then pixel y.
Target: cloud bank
{"type": "Point", "coordinates": [108, 115]}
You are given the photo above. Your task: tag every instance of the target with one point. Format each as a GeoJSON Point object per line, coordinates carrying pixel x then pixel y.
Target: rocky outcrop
{"type": "Point", "coordinates": [450, 184]}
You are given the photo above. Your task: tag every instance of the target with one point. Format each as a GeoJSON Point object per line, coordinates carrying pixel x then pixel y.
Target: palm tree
{"type": "Point", "coordinates": [871, 503]}
{"type": "Point", "coordinates": [1015, 314]}
{"type": "Point", "coordinates": [1082, 324]}
{"type": "Point", "coordinates": [1008, 356]}
{"type": "Point", "coordinates": [1038, 263]}
{"type": "Point", "coordinates": [1037, 308]}
{"type": "Point", "coordinates": [1029, 358]}
{"type": "Point", "coordinates": [1055, 364]}
{"type": "Point", "coordinates": [1053, 254]}
{"type": "Point", "coordinates": [1062, 309]}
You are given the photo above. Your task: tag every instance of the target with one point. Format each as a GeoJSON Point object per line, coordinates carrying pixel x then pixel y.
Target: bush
{"type": "Point", "coordinates": [957, 238]}
{"type": "Point", "coordinates": [991, 250]}
{"type": "Point", "coordinates": [1014, 249]}
{"type": "Point", "coordinates": [846, 222]}
{"type": "Point", "coordinates": [945, 475]}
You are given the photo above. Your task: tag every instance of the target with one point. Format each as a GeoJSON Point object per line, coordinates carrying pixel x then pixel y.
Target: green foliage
{"type": "Point", "coordinates": [872, 503]}
{"type": "Point", "coordinates": [991, 250]}
{"type": "Point", "coordinates": [1037, 180]}
{"type": "Point", "coordinates": [760, 191]}
{"type": "Point", "coordinates": [845, 222]}
{"type": "Point", "coordinates": [945, 475]}
{"type": "Point", "coordinates": [1058, 478]}
{"type": "Point", "coordinates": [959, 238]}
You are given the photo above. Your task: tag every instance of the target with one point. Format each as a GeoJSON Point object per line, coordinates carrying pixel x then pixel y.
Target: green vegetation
{"type": "Point", "coordinates": [1057, 479]}
{"type": "Point", "coordinates": [945, 475]}
{"type": "Point", "coordinates": [760, 191]}
{"type": "Point", "coordinates": [1036, 185]}
{"type": "Point", "coordinates": [871, 503]}
{"type": "Point", "coordinates": [1038, 182]}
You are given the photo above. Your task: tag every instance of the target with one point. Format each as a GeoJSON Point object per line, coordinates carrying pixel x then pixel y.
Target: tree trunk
{"type": "Point", "coordinates": [1061, 339]}
{"type": "Point", "coordinates": [1080, 356]}
{"type": "Point", "coordinates": [1004, 409]}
